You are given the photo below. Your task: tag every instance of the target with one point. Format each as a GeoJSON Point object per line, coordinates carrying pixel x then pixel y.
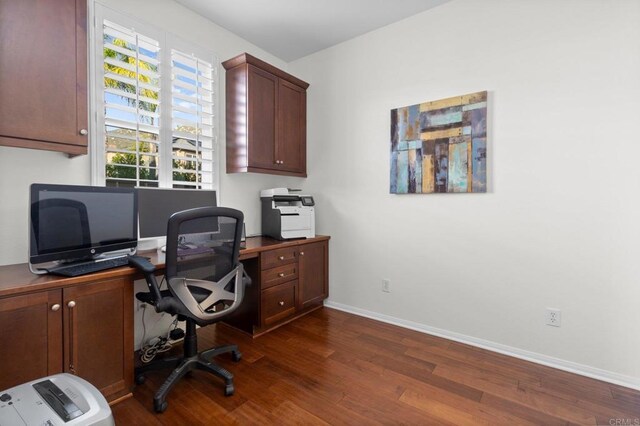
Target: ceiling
{"type": "Point", "coordinates": [291, 29]}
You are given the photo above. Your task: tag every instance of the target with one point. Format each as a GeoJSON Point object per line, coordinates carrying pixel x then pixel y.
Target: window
{"type": "Point", "coordinates": [156, 104]}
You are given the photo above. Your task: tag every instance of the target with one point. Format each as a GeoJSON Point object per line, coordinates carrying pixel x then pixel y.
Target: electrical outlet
{"type": "Point", "coordinates": [553, 317]}
{"type": "Point", "coordinates": [386, 285]}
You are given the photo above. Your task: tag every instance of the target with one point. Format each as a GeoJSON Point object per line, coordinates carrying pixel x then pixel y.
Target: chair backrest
{"type": "Point", "coordinates": [202, 266]}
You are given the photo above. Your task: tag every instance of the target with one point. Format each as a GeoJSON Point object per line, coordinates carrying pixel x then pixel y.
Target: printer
{"type": "Point", "coordinates": [286, 214]}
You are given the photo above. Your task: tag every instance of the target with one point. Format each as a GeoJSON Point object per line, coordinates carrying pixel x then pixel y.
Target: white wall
{"type": "Point", "coordinates": [21, 167]}
{"type": "Point", "coordinates": [560, 225]}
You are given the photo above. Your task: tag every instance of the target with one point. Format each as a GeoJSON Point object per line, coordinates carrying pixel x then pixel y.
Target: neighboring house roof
{"type": "Point", "coordinates": [184, 144]}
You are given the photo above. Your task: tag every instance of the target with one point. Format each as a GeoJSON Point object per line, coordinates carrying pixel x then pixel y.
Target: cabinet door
{"type": "Point", "coordinates": [43, 64]}
{"type": "Point", "coordinates": [98, 336]}
{"type": "Point", "coordinates": [31, 337]}
{"type": "Point", "coordinates": [263, 104]}
{"type": "Point", "coordinates": [313, 279]}
{"type": "Point", "coordinates": [291, 148]}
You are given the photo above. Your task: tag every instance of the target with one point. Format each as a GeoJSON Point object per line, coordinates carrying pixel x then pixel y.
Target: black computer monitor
{"type": "Point", "coordinates": [71, 222]}
{"type": "Point", "coordinates": [155, 206]}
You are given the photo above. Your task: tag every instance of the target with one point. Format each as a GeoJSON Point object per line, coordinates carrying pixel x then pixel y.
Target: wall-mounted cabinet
{"type": "Point", "coordinates": [266, 124]}
{"type": "Point", "coordinates": [43, 75]}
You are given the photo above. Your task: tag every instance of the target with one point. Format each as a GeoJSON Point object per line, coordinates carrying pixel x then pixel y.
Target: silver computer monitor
{"type": "Point", "coordinates": [155, 206]}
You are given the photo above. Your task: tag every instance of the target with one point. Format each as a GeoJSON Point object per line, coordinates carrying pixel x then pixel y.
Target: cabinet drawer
{"type": "Point", "coordinates": [278, 302]}
{"type": "Point", "coordinates": [279, 275]}
{"type": "Point", "coordinates": [273, 258]}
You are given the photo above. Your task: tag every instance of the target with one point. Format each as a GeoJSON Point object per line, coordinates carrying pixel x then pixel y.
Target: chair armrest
{"type": "Point", "coordinates": [143, 265]}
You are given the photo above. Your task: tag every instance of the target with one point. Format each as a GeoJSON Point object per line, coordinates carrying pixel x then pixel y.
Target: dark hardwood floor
{"type": "Point", "coordinates": [331, 367]}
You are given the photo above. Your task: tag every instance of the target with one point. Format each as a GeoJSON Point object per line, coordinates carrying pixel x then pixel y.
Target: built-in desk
{"type": "Point", "coordinates": [84, 325]}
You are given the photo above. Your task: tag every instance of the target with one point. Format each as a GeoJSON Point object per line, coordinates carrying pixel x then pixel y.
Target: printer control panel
{"type": "Point", "coordinates": [307, 200]}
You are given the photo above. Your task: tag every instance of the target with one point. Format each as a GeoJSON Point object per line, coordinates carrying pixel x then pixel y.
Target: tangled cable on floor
{"type": "Point", "coordinates": [150, 351]}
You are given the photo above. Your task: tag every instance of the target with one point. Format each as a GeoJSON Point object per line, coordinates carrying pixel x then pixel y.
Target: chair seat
{"type": "Point", "coordinates": [198, 293]}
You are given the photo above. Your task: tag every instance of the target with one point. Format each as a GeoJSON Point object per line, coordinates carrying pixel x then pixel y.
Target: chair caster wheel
{"type": "Point", "coordinates": [140, 379]}
{"type": "Point", "coordinates": [236, 356]}
{"type": "Point", "coordinates": [160, 407]}
{"type": "Point", "coordinates": [229, 390]}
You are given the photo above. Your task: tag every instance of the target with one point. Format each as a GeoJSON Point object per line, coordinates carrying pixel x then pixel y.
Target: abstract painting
{"type": "Point", "coordinates": [440, 146]}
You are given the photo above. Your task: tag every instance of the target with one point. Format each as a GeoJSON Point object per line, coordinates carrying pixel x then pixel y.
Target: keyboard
{"type": "Point", "coordinates": [88, 268]}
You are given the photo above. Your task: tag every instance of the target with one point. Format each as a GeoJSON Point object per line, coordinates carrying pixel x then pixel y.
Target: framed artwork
{"type": "Point", "coordinates": [440, 146]}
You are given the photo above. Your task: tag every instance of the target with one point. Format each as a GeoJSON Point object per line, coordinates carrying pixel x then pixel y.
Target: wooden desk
{"type": "Point", "coordinates": [84, 325]}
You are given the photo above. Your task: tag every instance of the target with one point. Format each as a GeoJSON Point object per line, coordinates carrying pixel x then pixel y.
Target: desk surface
{"type": "Point", "coordinates": [17, 279]}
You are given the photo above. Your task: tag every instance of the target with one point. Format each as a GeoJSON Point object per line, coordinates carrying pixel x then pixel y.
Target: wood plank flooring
{"type": "Point", "coordinates": [331, 367]}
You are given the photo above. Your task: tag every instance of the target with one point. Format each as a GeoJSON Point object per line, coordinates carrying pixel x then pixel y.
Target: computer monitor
{"type": "Point", "coordinates": [155, 206]}
{"type": "Point", "coordinates": [71, 222]}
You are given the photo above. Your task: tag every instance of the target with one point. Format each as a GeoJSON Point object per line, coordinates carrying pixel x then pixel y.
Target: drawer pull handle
{"type": "Point", "coordinates": [281, 274]}
{"type": "Point", "coordinates": [83, 132]}
{"type": "Point", "coordinates": [281, 257]}
{"type": "Point", "coordinates": [281, 303]}
{"type": "Point", "coordinates": [71, 304]}
{"type": "Point", "coordinates": [55, 307]}
{"type": "Point", "coordinates": [301, 253]}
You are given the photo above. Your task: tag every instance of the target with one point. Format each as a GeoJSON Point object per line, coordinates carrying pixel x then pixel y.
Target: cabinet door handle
{"type": "Point", "coordinates": [281, 274]}
{"type": "Point", "coordinates": [301, 253]}
{"type": "Point", "coordinates": [281, 303]}
{"type": "Point", "coordinates": [55, 307]}
{"type": "Point", "coordinates": [71, 304]}
{"type": "Point", "coordinates": [84, 132]}
{"type": "Point", "coordinates": [281, 257]}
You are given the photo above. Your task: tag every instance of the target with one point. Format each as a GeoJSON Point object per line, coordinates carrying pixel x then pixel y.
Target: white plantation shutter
{"type": "Point", "coordinates": [131, 107]}
{"type": "Point", "coordinates": [156, 99]}
{"type": "Point", "coordinates": [192, 121]}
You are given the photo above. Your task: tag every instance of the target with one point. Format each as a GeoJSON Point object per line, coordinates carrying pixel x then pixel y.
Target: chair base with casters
{"type": "Point", "coordinates": [190, 360]}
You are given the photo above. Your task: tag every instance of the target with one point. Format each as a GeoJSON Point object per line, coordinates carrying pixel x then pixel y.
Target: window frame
{"type": "Point", "coordinates": [168, 42]}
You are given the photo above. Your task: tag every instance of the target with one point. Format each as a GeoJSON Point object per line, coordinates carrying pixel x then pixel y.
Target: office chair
{"type": "Point", "coordinates": [206, 283]}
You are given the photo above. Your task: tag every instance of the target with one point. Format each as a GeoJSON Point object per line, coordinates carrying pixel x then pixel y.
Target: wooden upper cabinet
{"type": "Point", "coordinates": [43, 75]}
{"type": "Point", "coordinates": [292, 127]}
{"type": "Point", "coordinates": [266, 118]}
{"type": "Point", "coordinates": [263, 104]}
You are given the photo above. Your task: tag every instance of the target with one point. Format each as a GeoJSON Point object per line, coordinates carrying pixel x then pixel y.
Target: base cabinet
{"type": "Point", "coordinates": [287, 283]}
{"type": "Point", "coordinates": [31, 337]}
{"type": "Point", "coordinates": [314, 271]}
{"type": "Point", "coordinates": [85, 330]}
{"type": "Point", "coordinates": [98, 335]}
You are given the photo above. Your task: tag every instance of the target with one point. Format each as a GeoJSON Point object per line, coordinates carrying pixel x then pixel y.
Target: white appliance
{"type": "Point", "coordinates": [286, 214]}
{"type": "Point", "coordinates": [61, 399]}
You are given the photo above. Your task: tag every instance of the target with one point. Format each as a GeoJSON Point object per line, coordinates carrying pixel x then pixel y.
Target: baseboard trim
{"type": "Point", "coordinates": [560, 364]}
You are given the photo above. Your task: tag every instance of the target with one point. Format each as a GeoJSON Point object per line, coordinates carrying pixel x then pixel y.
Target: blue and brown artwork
{"type": "Point", "coordinates": [440, 146]}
